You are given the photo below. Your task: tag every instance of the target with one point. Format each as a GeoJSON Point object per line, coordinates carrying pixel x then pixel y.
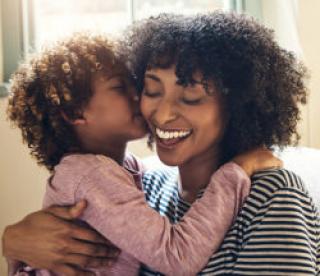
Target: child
{"type": "Point", "coordinates": [77, 108]}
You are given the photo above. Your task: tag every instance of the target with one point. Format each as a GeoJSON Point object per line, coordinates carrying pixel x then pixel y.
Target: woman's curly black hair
{"type": "Point", "coordinates": [262, 84]}
{"type": "Point", "coordinates": [53, 87]}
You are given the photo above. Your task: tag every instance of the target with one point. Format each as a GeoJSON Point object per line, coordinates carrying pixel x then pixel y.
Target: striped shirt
{"type": "Point", "coordinates": [277, 231]}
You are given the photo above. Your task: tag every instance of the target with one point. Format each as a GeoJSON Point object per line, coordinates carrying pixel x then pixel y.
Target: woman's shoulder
{"type": "Point", "coordinates": [280, 218]}
{"type": "Point", "coordinates": [279, 188]}
{"type": "Point", "coordinates": [269, 182]}
{"type": "Point", "coordinates": [276, 179]}
{"type": "Point", "coordinates": [278, 204]}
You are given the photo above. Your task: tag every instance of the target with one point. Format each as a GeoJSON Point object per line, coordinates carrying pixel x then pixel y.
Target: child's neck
{"type": "Point", "coordinates": [115, 152]}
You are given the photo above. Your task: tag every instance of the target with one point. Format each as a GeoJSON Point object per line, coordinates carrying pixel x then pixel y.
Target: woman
{"type": "Point", "coordinates": [223, 81]}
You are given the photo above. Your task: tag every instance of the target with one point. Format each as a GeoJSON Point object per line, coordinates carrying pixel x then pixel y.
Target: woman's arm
{"type": "Point", "coordinates": [283, 237]}
{"type": "Point", "coordinates": [42, 238]}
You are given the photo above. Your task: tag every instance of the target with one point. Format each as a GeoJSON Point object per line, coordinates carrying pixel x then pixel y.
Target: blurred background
{"type": "Point", "coordinates": [26, 25]}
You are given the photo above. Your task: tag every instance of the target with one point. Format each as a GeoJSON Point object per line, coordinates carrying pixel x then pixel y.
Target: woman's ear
{"type": "Point", "coordinates": [79, 121]}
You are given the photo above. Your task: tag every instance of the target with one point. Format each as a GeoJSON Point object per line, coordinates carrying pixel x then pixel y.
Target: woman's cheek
{"type": "Point", "coordinates": [145, 106]}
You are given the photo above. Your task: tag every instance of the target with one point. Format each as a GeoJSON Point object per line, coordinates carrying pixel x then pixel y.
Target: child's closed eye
{"type": "Point", "coordinates": [119, 87]}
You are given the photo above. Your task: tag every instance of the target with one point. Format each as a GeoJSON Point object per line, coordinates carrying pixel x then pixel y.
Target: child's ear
{"type": "Point", "coordinates": [79, 121]}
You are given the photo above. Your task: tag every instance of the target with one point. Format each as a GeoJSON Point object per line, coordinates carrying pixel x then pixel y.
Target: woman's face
{"type": "Point", "coordinates": [187, 122]}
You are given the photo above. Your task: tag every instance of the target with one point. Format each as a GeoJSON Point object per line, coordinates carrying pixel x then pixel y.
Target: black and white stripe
{"type": "Point", "coordinates": [277, 231]}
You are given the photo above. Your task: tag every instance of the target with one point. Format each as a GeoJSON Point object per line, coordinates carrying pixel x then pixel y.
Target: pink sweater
{"type": "Point", "coordinates": [118, 210]}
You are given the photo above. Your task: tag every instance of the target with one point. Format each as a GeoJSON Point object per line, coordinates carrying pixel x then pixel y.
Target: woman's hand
{"type": "Point", "coordinates": [256, 160]}
{"type": "Point", "coordinates": [51, 239]}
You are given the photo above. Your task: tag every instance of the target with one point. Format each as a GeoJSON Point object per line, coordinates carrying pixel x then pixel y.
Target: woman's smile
{"type": "Point", "coordinates": [170, 138]}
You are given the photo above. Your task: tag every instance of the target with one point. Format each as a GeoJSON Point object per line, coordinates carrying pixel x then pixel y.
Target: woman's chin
{"type": "Point", "coordinates": [168, 158]}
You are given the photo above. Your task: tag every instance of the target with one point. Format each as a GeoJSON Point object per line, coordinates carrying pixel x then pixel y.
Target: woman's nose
{"type": "Point", "coordinates": [165, 113]}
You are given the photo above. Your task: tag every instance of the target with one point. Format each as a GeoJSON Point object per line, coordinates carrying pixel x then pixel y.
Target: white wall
{"type": "Point", "coordinates": [1, 58]}
{"type": "Point", "coordinates": [22, 181]}
{"type": "Point", "coordinates": [309, 23]}
{"type": "Point", "coordinates": [300, 35]}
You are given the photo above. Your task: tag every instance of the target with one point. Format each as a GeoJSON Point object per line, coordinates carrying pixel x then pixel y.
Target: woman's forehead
{"type": "Point", "coordinates": [155, 73]}
{"type": "Point", "coordinates": [160, 76]}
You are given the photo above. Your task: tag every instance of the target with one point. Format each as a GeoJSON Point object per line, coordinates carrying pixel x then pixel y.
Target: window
{"type": "Point", "coordinates": [28, 24]}
{"type": "Point", "coordinates": [54, 19]}
{"type": "Point", "coordinates": [146, 8]}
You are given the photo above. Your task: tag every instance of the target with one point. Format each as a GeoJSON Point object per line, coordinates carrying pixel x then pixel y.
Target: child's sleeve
{"type": "Point", "coordinates": [134, 163]}
{"type": "Point", "coordinates": [118, 210]}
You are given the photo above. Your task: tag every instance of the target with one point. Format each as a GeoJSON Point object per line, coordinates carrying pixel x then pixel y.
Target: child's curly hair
{"type": "Point", "coordinates": [56, 84]}
{"type": "Point", "coordinates": [262, 84]}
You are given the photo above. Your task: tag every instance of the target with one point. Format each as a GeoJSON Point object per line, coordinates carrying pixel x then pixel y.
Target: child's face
{"type": "Point", "coordinates": [113, 115]}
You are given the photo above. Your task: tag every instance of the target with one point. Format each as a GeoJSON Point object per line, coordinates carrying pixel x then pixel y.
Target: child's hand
{"type": "Point", "coordinates": [256, 160]}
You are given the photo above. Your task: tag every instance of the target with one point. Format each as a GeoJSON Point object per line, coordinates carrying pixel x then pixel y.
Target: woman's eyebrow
{"type": "Point", "coordinates": [153, 77]}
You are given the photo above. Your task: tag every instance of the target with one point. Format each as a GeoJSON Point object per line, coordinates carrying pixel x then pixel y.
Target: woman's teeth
{"type": "Point", "coordinates": [163, 134]}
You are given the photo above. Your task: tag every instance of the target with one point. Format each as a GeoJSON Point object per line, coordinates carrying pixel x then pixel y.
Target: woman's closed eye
{"type": "Point", "coordinates": [191, 101]}
{"type": "Point", "coordinates": [155, 94]}
{"type": "Point", "coordinates": [151, 94]}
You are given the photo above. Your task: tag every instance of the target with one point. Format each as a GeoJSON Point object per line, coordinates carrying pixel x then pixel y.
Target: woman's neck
{"type": "Point", "coordinates": [195, 174]}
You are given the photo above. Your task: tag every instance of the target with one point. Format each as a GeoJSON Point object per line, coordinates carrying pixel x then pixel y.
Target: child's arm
{"type": "Point", "coordinates": [117, 209]}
